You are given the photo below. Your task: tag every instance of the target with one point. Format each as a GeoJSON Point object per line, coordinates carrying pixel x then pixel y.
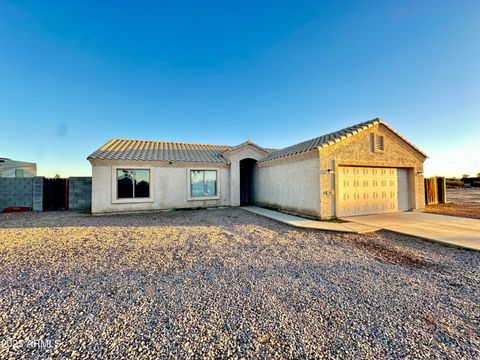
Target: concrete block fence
{"type": "Point", "coordinates": [37, 194]}
{"type": "Point", "coordinates": [16, 192]}
{"type": "Point", "coordinates": [80, 193]}
{"type": "Point", "coordinates": [28, 192]}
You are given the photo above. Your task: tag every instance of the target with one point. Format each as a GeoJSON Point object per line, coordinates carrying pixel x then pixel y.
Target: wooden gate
{"type": "Point", "coordinates": [435, 191]}
{"type": "Point", "coordinates": [55, 194]}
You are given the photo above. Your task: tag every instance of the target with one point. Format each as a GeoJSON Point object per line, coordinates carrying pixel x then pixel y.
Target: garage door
{"type": "Point", "coordinates": [367, 190]}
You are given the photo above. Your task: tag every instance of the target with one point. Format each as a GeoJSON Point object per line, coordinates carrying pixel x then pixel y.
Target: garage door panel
{"type": "Point", "coordinates": [403, 190]}
{"type": "Point", "coordinates": [365, 190]}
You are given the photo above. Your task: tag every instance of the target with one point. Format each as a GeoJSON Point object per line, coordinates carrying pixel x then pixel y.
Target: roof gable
{"type": "Point", "coordinates": [122, 149]}
{"type": "Point", "coordinates": [246, 144]}
{"type": "Point", "coordinates": [333, 138]}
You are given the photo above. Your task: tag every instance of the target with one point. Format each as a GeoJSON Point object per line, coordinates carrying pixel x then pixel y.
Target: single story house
{"type": "Point", "coordinates": [15, 168]}
{"type": "Point", "coordinates": [363, 169]}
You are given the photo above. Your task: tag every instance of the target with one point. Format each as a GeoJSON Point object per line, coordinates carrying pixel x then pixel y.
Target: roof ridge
{"type": "Point", "coordinates": [129, 149]}
{"type": "Point", "coordinates": [118, 148]}
{"type": "Point", "coordinates": [331, 138]}
{"type": "Point", "coordinates": [167, 142]}
{"type": "Point", "coordinates": [245, 143]}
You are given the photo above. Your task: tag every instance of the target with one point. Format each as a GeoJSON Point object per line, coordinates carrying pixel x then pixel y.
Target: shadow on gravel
{"type": "Point", "coordinates": [184, 217]}
{"type": "Point", "coordinates": [393, 255]}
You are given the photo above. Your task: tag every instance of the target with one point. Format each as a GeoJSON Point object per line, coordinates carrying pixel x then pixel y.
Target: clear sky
{"type": "Point", "coordinates": [74, 74]}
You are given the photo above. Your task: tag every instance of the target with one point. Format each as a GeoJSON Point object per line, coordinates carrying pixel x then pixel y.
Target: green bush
{"type": "Point", "coordinates": [476, 183]}
{"type": "Point", "coordinates": [454, 183]}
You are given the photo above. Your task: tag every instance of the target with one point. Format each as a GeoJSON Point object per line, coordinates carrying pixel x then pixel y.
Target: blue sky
{"type": "Point", "coordinates": [76, 74]}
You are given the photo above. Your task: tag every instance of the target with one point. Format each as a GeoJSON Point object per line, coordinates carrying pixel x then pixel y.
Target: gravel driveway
{"type": "Point", "coordinates": [225, 282]}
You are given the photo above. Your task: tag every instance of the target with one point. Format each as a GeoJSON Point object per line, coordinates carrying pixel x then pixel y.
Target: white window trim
{"type": "Point", "coordinates": [189, 187]}
{"type": "Point", "coordinates": [134, 200]}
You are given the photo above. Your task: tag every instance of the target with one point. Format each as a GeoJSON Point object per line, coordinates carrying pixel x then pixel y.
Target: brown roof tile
{"type": "Point", "coordinates": [331, 138]}
{"type": "Point", "coordinates": [122, 149]}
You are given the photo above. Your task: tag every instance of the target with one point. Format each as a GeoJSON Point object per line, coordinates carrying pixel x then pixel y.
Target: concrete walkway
{"type": "Point", "coordinates": [350, 227]}
{"type": "Point", "coordinates": [449, 230]}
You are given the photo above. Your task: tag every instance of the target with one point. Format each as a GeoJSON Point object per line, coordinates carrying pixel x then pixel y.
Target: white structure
{"type": "Point", "coordinates": [367, 168]}
{"type": "Point", "coordinates": [14, 168]}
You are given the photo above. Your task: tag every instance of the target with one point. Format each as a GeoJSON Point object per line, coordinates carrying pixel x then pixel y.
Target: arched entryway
{"type": "Point", "coordinates": [246, 181]}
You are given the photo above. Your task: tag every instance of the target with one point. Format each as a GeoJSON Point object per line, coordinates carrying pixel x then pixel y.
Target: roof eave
{"type": "Point", "coordinates": [413, 146]}
{"type": "Point", "coordinates": [227, 161]}
{"type": "Point", "coordinates": [241, 146]}
{"type": "Point", "coordinates": [374, 122]}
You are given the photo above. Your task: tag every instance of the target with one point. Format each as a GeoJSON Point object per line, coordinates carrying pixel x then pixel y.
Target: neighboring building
{"type": "Point", "coordinates": [13, 168]}
{"type": "Point", "coordinates": [364, 169]}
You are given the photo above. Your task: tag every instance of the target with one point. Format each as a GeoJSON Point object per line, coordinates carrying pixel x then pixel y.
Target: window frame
{"type": "Point", "coordinates": [114, 187]}
{"type": "Point", "coordinates": [189, 185]}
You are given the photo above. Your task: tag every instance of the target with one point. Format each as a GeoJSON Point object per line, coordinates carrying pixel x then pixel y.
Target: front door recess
{"type": "Point", "coordinates": [246, 181]}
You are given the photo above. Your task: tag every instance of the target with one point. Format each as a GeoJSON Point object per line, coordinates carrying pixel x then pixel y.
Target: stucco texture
{"type": "Point", "coordinates": [356, 151]}
{"type": "Point", "coordinates": [169, 186]}
{"type": "Point", "coordinates": [290, 184]}
{"type": "Point", "coordinates": [235, 156]}
{"type": "Point", "coordinates": [305, 183]}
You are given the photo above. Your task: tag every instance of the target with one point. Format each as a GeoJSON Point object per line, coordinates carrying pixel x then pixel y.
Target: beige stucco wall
{"type": "Point", "coordinates": [304, 184]}
{"type": "Point", "coordinates": [235, 156]}
{"type": "Point", "coordinates": [169, 186]}
{"type": "Point", "coordinates": [291, 184]}
{"type": "Point", "coordinates": [356, 150]}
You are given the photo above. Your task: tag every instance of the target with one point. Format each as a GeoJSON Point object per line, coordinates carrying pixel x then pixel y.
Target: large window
{"type": "Point", "coordinates": [133, 183]}
{"type": "Point", "coordinates": [203, 183]}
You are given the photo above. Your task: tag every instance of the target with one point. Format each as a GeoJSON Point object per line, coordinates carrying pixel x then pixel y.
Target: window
{"type": "Point", "coordinates": [203, 183]}
{"type": "Point", "coordinates": [377, 142]}
{"type": "Point", "coordinates": [133, 183]}
{"type": "Point", "coordinates": [19, 173]}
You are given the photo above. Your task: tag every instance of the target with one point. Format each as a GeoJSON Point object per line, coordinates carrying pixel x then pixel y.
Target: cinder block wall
{"type": "Point", "coordinates": [80, 193]}
{"type": "Point", "coordinates": [37, 193]}
{"type": "Point", "coordinates": [16, 192]}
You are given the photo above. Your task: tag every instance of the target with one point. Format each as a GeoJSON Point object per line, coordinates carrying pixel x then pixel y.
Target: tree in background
{"type": "Point", "coordinates": [465, 176]}
{"type": "Point", "coordinates": [57, 176]}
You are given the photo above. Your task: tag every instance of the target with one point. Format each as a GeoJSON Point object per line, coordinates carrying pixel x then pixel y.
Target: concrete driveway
{"type": "Point", "coordinates": [450, 230]}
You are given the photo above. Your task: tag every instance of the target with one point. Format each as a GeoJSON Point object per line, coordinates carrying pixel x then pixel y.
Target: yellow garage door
{"type": "Point", "coordinates": [370, 190]}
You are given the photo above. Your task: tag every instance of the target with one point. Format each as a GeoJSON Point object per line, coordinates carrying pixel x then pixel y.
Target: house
{"type": "Point", "coordinates": [363, 169]}
{"type": "Point", "coordinates": [14, 168]}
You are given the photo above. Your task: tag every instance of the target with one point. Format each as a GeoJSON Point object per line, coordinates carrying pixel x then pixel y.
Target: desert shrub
{"type": "Point", "coordinates": [476, 183]}
{"type": "Point", "coordinates": [454, 183]}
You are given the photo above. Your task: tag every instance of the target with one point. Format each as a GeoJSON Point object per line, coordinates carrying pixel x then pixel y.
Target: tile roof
{"type": "Point", "coordinates": [331, 138]}
{"type": "Point", "coordinates": [122, 149]}
{"type": "Point", "coordinates": [250, 142]}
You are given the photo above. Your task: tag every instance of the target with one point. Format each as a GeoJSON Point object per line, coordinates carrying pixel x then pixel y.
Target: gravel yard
{"type": "Point", "coordinates": [225, 282]}
{"type": "Point", "coordinates": [463, 195]}
{"type": "Point", "coordinates": [460, 202]}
